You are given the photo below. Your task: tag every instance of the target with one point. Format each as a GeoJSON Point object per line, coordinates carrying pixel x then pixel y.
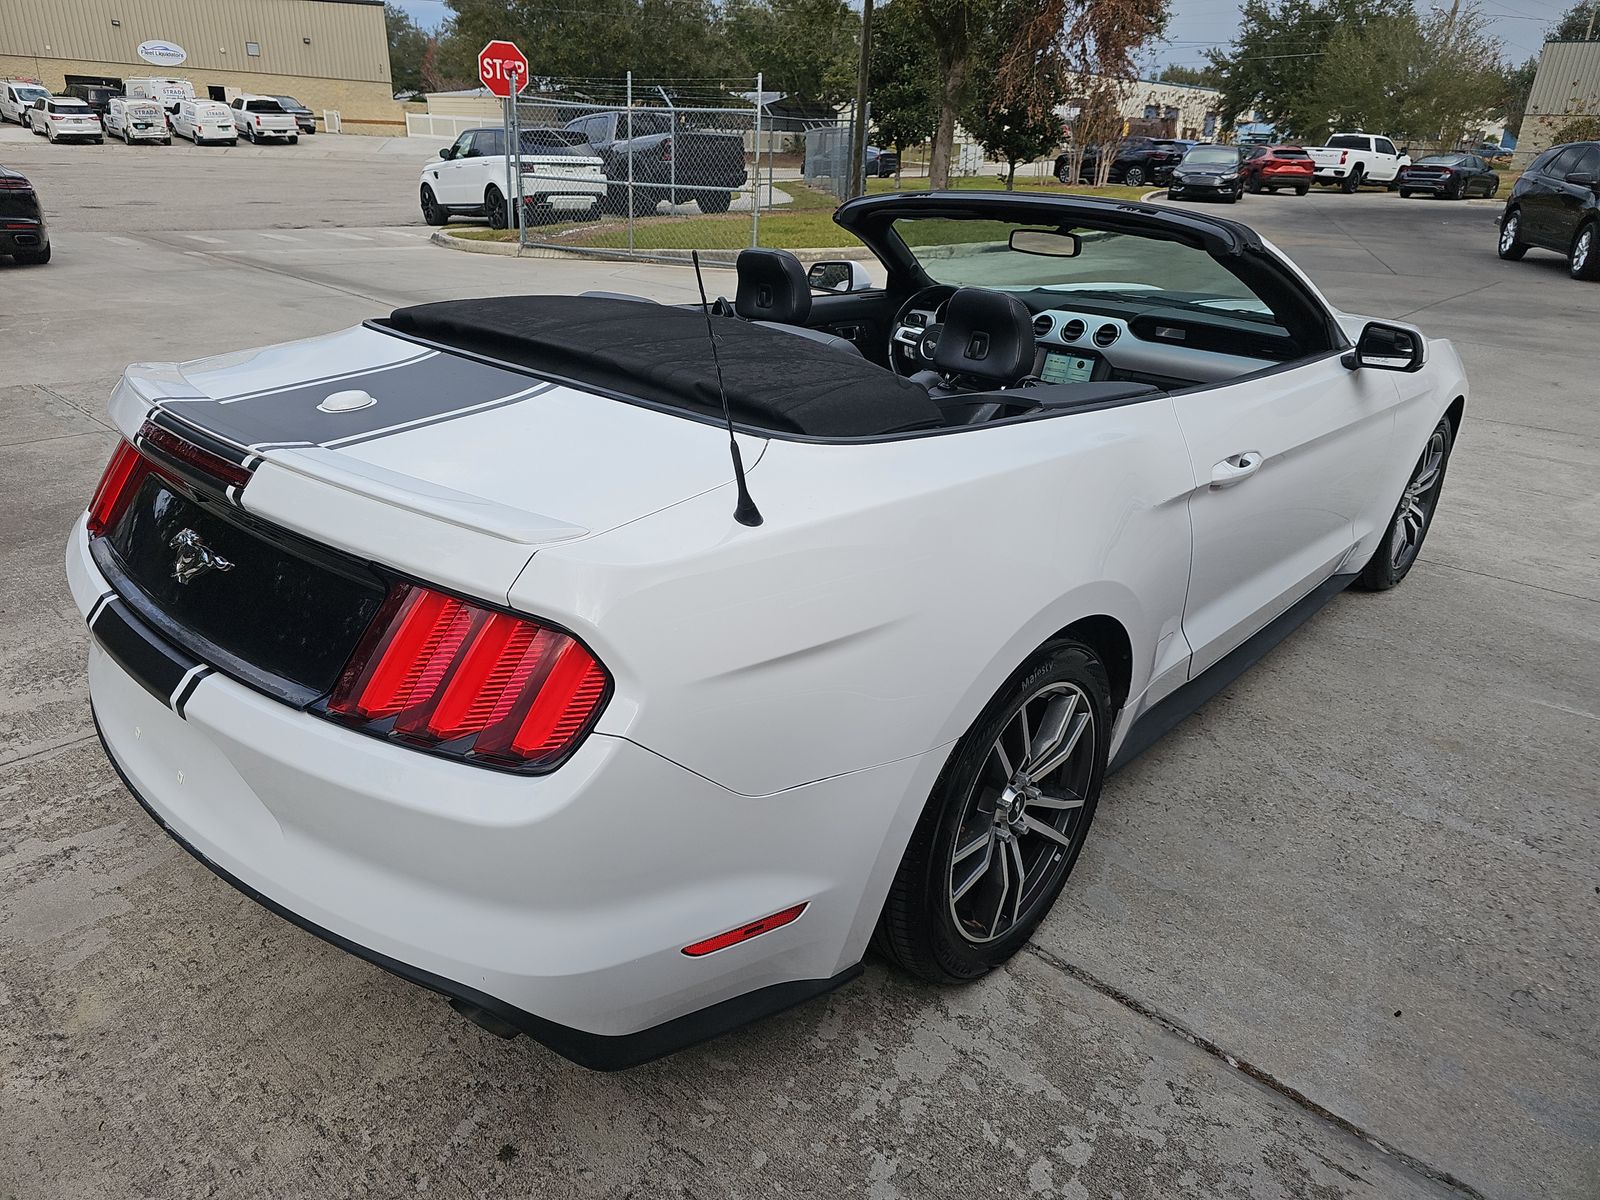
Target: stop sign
{"type": "Point", "coordinates": [497, 62]}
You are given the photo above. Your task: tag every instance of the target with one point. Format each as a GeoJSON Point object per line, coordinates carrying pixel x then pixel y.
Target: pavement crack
{"type": "Point", "coordinates": [1258, 1074]}
{"type": "Point", "coordinates": [1434, 562]}
{"type": "Point", "coordinates": [42, 751]}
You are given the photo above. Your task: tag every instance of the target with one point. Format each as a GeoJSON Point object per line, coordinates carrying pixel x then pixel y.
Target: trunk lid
{"type": "Point", "coordinates": [396, 451]}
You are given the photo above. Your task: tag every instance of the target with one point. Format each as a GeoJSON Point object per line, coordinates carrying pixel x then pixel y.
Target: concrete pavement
{"type": "Point", "coordinates": [1355, 898]}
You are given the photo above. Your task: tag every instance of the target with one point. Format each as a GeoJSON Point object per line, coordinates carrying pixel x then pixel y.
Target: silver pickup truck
{"type": "Point", "coordinates": [261, 117]}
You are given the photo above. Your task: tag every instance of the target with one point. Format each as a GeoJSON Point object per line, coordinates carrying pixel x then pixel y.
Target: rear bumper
{"type": "Point", "coordinates": [35, 237]}
{"type": "Point", "coordinates": [1436, 186]}
{"type": "Point", "coordinates": [559, 904]}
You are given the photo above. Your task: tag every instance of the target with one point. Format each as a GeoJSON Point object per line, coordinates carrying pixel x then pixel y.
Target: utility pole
{"type": "Point", "coordinates": [858, 135]}
{"type": "Point", "coordinates": [1588, 34]}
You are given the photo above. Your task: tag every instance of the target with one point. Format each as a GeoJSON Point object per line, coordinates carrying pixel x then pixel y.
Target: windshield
{"type": "Point", "coordinates": [1114, 266]}
{"type": "Point", "coordinates": [1212, 156]}
{"type": "Point", "coordinates": [29, 94]}
{"type": "Point", "coordinates": [289, 102]}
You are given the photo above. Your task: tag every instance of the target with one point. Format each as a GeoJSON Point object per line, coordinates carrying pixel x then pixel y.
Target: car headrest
{"type": "Point", "coordinates": [772, 287]}
{"type": "Point", "coordinates": [987, 335]}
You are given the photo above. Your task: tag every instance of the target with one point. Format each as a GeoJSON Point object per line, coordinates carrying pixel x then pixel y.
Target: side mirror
{"type": "Point", "coordinates": [445, 153]}
{"type": "Point", "coordinates": [1586, 179]}
{"type": "Point", "coordinates": [1387, 348]}
{"type": "Point", "coordinates": [838, 275]}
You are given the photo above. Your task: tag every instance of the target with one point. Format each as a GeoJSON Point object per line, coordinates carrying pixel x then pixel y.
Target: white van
{"type": "Point", "coordinates": [17, 97]}
{"type": "Point", "coordinates": [203, 121]}
{"type": "Point", "coordinates": [137, 121]}
{"type": "Point", "coordinates": [169, 93]}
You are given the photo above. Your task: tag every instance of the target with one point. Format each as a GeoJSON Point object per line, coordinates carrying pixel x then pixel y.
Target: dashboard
{"type": "Point", "coordinates": [1077, 346]}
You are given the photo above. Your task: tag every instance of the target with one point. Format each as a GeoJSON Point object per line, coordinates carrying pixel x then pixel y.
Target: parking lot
{"type": "Point", "coordinates": [1334, 937]}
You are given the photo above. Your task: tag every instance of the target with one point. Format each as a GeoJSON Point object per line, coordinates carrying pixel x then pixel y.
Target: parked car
{"type": "Point", "coordinates": [169, 93]}
{"type": "Point", "coordinates": [560, 177]}
{"type": "Point", "coordinates": [1490, 150]}
{"type": "Point", "coordinates": [882, 163]}
{"type": "Point", "coordinates": [261, 118]}
{"type": "Point", "coordinates": [1350, 159]}
{"type": "Point", "coordinates": [23, 232]}
{"type": "Point", "coordinates": [1269, 168]}
{"type": "Point", "coordinates": [303, 116]}
{"type": "Point", "coordinates": [671, 160]}
{"type": "Point", "coordinates": [1208, 171]}
{"type": "Point", "coordinates": [17, 97]}
{"type": "Point", "coordinates": [1137, 161]}
{"type": "Point", "coordinates": [1555, 205]}
{"type": "Point", "coordinates": [96, 95]}
{"type": "Point", "coordinates": [58, 119]}
{"type": "Point", "coordinates": [1453, 176]}
{"type": "Point", "coordinates": [452, 638]}
{"type": "Point", "coordinates": [204, 122]}
{"type": "Point", "coordinates": [137, 121]}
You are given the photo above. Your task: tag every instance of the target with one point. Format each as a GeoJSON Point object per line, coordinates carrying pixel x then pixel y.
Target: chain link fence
{"type": "Point", "coordinates": [643, 170]}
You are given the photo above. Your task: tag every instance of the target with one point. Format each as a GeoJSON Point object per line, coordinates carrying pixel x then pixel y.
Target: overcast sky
{"type": "Point", "coordinates": [1199, 24]}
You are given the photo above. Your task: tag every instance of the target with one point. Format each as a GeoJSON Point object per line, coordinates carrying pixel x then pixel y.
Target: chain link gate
{"type": "Point", "coordinates": [640, 170]}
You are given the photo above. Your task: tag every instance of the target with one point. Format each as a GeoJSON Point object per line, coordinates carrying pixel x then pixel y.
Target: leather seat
{"type": "Point", "coordinates": [774, 292]}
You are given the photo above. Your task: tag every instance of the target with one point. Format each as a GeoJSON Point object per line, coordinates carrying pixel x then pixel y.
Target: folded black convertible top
{"type": "Point", "coordinates": [654, 352]}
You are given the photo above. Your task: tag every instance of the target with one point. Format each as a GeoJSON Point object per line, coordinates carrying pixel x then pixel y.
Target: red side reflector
{"type": "Point", "coordinates": [745, 932]}
{"type": "Point", "coordinates": [441, 672]}
{"type": "Point", "coordinates": [123, 475]}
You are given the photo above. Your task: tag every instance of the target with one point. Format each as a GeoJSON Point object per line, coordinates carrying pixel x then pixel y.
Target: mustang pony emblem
{"type": "Point", "coordinates": [195, 557]}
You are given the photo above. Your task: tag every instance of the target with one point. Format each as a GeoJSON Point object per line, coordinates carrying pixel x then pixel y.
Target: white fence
{"type": "Point", "coordinates": [428, 125]}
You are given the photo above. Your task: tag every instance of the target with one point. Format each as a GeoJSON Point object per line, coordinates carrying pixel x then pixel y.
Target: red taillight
{"type": "Point", "coordinates": [484, 685]}
{"type": "Point", "coordinates": [666, 150]}
{"type": "Point", "coordinates": [745, 932]}
{"type": "Point", "coordinates": [123, 475]}
{"type": "Point", "coordinates": [1343, 154]}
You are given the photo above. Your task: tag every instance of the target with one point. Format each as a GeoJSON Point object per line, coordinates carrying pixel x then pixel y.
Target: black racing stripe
{"type": "Point", "coordinates": [182, 698]}
{"type": "Point", "coordinates": [336, 377]}
{"type": "Point", "coordinates": [537, 390]}
{"type": "Point", "coordinates": [434, 387]}
{"type": "Point", "coordinates": [98, 606]}
{"type": "Point", "coordinates": [157, 666]}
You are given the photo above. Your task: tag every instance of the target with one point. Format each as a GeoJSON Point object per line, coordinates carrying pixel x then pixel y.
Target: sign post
{"type": "Point", "coordinates": [503, 69]}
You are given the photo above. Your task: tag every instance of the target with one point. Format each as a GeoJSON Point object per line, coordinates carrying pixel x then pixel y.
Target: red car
{"type": "Point", "coordinates": [1268, 168]}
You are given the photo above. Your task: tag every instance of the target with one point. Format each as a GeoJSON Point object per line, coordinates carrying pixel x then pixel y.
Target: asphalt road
{"type": "Point", "coordinates": [1353, 903]}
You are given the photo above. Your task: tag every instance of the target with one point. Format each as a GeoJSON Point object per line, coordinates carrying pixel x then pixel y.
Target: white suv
{"type": "Point", "coordinates": [58, 118]}
{"type": "Point", "coordinates": [560, 177]}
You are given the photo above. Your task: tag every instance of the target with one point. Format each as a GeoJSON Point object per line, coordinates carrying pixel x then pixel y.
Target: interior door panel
{"type": "Point", "coordinates": [859, 317]}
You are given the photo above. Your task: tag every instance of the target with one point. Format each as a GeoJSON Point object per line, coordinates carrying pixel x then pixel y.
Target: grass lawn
{"type": "Point", "coordinates": [804, 223]}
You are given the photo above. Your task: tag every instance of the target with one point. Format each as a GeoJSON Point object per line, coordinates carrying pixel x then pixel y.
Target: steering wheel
{"type": "Point", "coordinates": [917, 341]}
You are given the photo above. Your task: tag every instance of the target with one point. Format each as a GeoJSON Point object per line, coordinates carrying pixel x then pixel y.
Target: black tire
{"type": "Point", "coordinates": [645, 202]}
{"type": "Point", "coordinates": [1494, 188]}
{"type": "Point", "coordinates": [1405, 193]}
{"type": "Point", "coordinates": [1170, 195]}
{"type": "Point", "coordinates": [1583, 259]}
{"type": "Point", "coordinates": [1253, 185]}
{"type": "Point", "coordinates": [33, 258]}
{"type": "Point", "coordinates": [294, 139]}
{"type": "Point", "coordinates": [1062, 174]}
{"type": "Point", "coordinates": [1302, 189]}
{"type": "Point", "coordinates": [494, 208]}
{"type": "Point", "coordinates": [432, 213]}
{"type": "Point", "coordinates": [1457, 191]}
{"type": "Point", "coordinates": [1511, 247]}
{"type": "Point", "coordinates": [1133, 177]}
{"type": "Point", "coordinates": [1351, 182]}
{"type": "Point", "coordinates": [713, 200]}
{"type": "Point", "coordinates": [924, 927]}
{"type": "Point", "coordinates": [1403, 537]}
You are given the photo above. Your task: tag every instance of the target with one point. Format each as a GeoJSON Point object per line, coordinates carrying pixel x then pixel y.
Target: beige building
{"type": "Point", "coordinates": [328, 54]}
{"type": "Point", "coordinates": [1567, 87]}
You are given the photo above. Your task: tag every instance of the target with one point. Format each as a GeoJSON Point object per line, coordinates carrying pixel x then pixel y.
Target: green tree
{"type": "Point", "coordinates": [1273, 66]}
{"type": "Point", "coordinates": [1577, 24]}
{"type": "Point", "coordinates": [807, 49]}
{"type": "Point", "coordinates": [1011, 133]}
{"type": "Point", "coordinates": [1516, 83]}
{"type": "Point", "coordinates": [901, 80]}
{"type": "Point", "coordinates": [407, 44]}
{"type": "Point", "coordinates": [1192, 76]}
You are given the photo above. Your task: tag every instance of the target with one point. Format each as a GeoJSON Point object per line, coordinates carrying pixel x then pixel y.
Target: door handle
{"type": "Point", "coordinates": [1236, 468]}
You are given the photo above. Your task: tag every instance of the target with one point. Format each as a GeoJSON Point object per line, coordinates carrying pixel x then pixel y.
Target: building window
{"type": "Point", "coordinates": [253, 49]}
{"type": "Point", "coordinates": [1151, 112]}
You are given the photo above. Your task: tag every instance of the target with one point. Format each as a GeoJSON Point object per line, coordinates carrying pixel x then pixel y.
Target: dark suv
{"type": "Point", "coordinates": [23, 233]}
{"type": "Point", "coordinates": [1138, 161]}
{"type": "Point", "coordinates": [96, 95]}
{"type": "Point", "coordinates": [1555, 205]}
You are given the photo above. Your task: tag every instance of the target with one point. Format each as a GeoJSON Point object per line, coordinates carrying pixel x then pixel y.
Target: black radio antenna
{"type": "Point", "coordinates": [745, 511]}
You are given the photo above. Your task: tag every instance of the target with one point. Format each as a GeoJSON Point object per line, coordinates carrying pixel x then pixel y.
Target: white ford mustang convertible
{"type": "Point", "coordinates": [455, 638]}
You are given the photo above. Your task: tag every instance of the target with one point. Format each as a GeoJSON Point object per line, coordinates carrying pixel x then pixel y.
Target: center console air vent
{"type": "Point", "coordinates": [1042, 324]}
{"type": "Point", "coordinates": [1073, 330]}
{"type": "Point", "coordinates": [1105, 335]}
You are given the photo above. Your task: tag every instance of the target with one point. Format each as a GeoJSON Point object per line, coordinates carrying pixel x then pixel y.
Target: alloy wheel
{"type": "Point", "coordinates": [1024, 814]}
{"type": "Point", "coordinates": [1417, 504]}
{"type": "Point", "coordinates": [1134, 177]}
{"type": "Point", "coordinates": [1582, 249]}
